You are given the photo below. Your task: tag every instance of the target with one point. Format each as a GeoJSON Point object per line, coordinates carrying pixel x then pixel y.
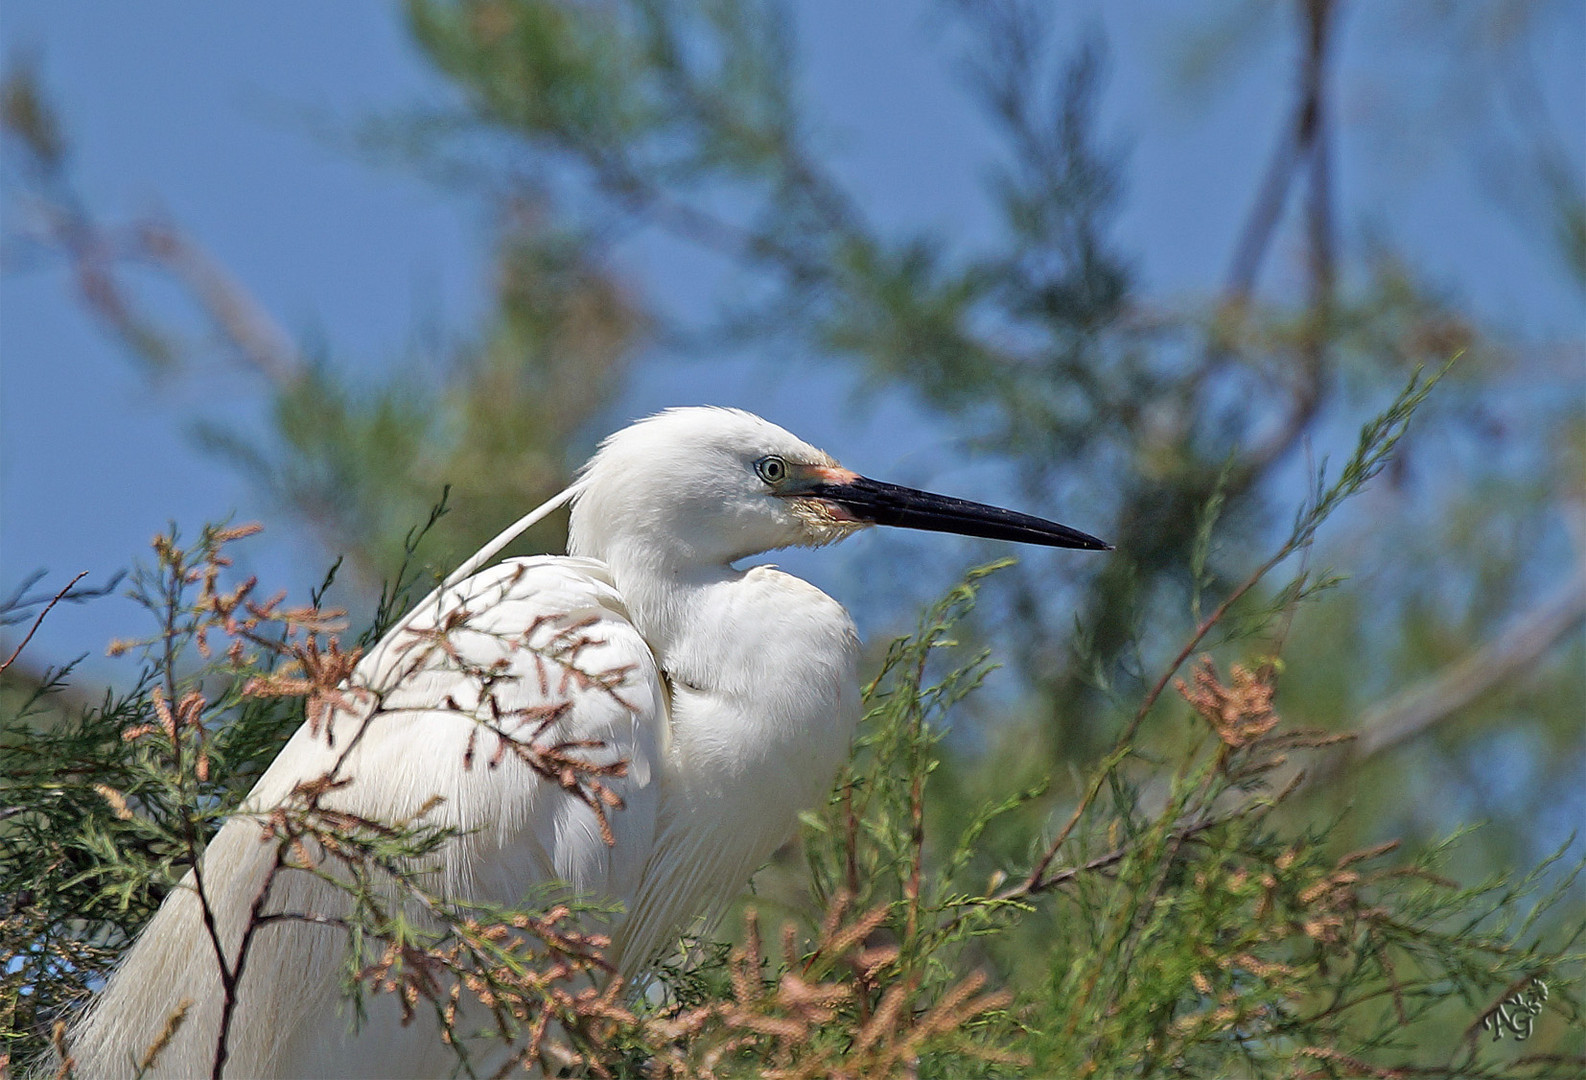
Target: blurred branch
{"type": "Point", "coordinates": [353, 457]}
{"type": "Point", "coordinates": [258, 339]}
{"type": "Point", "coordinates": [1313, 126]}
{"type": "Point", "coordinates": [95, 251]}
{"type": "Point", "coordinates": [1441, 696]}
{"type": "Point", "coordinates": [1306, 141]}
{"type": "Point", "coordinates": [1299, 140]}
{"type": "Point", "coordinates": [13, 609]}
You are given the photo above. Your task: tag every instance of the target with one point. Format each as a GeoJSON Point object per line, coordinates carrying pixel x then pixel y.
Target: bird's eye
{"type": "Point", "coordinates": [772, 469]}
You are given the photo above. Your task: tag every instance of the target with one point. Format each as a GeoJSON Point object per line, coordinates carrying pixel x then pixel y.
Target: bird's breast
{"type": "Point", "coordinates": [766, 698]}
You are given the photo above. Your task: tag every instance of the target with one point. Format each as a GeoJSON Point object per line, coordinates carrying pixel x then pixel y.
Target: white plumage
{"type": "Point", "coordinates": [737, 698]}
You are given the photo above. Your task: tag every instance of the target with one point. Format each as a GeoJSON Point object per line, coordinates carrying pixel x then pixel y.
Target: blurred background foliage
{"type": "Point", "coordinates": [1041, 350]}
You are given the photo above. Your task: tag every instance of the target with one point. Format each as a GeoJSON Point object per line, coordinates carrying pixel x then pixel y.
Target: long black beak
{"type": "Point", "coordinates": [888, 504]}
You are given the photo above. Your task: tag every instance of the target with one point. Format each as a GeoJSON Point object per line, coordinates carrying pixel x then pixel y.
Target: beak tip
{"type": "Point", "coordinates": [1083, 541]}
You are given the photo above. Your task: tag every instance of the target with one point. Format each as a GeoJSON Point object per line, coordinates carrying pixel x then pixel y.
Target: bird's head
{"type": "Point", "coordinates": [709, 486]}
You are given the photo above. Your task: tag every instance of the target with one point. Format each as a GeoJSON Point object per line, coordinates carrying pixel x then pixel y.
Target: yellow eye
{"type": "Point", "coordinates": [772, 469]}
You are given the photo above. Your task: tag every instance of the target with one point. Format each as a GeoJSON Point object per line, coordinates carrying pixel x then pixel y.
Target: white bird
{"type": "Point", "coordinates": [738, 698]}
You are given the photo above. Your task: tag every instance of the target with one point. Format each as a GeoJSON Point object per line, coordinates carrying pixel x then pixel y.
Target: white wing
{"type": "Point", "coordinates": [537, 649]}
{"type": "Point", "coordinates": [529, 652]}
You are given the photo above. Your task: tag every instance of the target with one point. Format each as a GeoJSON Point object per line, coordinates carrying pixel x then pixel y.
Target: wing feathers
{"type": "Point", "coordinates": [527, 655]}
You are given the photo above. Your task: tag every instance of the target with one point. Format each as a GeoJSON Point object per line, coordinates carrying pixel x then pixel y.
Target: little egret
{"type": "Point", "coordinates": [737, 700]}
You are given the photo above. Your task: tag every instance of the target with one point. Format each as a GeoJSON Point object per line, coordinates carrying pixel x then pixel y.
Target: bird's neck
{"type": "Point", "coordinates": [667, 598]}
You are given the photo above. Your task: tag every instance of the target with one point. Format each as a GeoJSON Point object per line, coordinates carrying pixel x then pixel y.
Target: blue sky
{"type": "Point", "coordinates": [200, 111]}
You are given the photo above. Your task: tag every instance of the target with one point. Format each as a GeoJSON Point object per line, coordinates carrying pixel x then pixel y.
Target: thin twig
{"type": "Point", "coordinates": [36, 622]}
{"type": "Point", "coordinates": [1101, 862]}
